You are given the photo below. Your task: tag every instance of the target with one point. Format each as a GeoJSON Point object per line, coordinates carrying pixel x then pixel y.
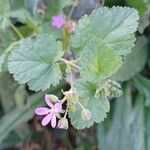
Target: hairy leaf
{"type": "Point", "coordinates": [34, 62]}
{"type": "Point", "coordinates": [115, 26]}
{"type": "Point", "coordinates": [98, 61]}
{"type": "Point", "coordinates": [98, 107]}
{"type": "Point", "coordinates": [133, 62]}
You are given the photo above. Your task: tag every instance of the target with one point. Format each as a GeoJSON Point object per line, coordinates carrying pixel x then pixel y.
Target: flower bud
{"type": "Point", "coordinates": [86, 114]}
{"type": "Point", "coordinates": [63, 123]}
{"type": "Point", "coordinates": [52, 98]}
{"type": "Point", "coordinates": [70, 26]}
{"type": "Point", "coordinates": [72, 99]}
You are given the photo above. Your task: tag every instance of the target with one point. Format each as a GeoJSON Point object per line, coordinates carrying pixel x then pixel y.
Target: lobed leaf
{"type": "Point", "coordinates": [98, 61]}
{"type": "Point", "coordinates": [34, 62]}
{"type": "Point", "coordinates": [114, 26]}
{"type": "Point", "coordinates": [97, 107]}
{"type": "Point", "coordinates": [133, 62]}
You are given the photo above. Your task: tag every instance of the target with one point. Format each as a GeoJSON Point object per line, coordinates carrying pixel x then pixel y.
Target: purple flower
{"type": "Point", "coordinates": [51, 113]}
{"type": "Point", "coordinates": [58, 21]}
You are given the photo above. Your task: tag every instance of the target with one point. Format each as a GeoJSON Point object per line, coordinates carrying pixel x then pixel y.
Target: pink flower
{"type": "Point", "coordinates": [58, 21]}
{"type": "Point", "coordinates": [51, 113]}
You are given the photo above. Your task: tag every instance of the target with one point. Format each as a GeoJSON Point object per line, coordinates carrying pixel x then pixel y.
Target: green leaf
{"type": "Point", "coordinates": [125, 131]}
{"type": "Point", "coordinates": [19, 116]}
{"type": "Point", "coordinates": [2, 59]}
{"type": "Point", "coordinates": [147, 127]}
{"type": "Point", "coordinates": [4, 10]}
{"type": "Point", "coordinates": [4, 7]}
{"type": "Point", "coordinates": [98, 61]}
{"type": "Point", "coordinates": [97, 107]}
{"type": "Point", "coordinates": [114, 26]}
{"type": "Point", "coordinates": [34, 62]}
{"type": "Point", "coordinates": [16, 4]}
{"type": "Point", "coordinates": [48, 28]}
{"type": "Point", "coordinates": [56, 7]}
{"type": "Point", "coordinates": [21, 15]}
{"type": "Point", "coordinates": [140, 5]}
{"type": "Point", "coordinates": [133, 62]}
{"type": "Point", "coordinates": [7, 89]}
{"type": "Point", "coordinates": [143, 86]}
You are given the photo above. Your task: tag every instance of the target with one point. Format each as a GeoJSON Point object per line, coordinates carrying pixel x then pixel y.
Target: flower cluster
{"type": "Point", "coordinates": [55, 110]}
{"type": "Point", "coordinates": [52, 113]}
{"type": "Point", "coordinates": [55, 115]}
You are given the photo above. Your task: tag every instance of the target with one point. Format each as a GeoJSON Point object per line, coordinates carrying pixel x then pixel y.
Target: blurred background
{"type": "Point", "coordinates": [127, 126]}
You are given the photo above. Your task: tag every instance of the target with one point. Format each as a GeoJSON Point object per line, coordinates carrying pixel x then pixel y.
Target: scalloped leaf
{"type": "Point", "coordinates": [34, 62]}
{"type": "Point", "coordinates": [98, 107]}
{"type": "Point", "coordinates": [133, 62]}
{"type": "Point", "coordinates": [115, 26]}
{"type": "Point", "coordinates": [98, 61]}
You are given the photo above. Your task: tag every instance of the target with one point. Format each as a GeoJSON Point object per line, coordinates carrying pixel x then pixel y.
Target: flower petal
{"type": "Point", "coordinates": [48, 101]}
{"type": "Point", "coordinates": [42, 111]}
{"type": "Point", "coordinates": [58, 107]}
{"type": "Point", "coordinates": [47, 119]}
{"type": "Point", "coordinates": [53, 121]}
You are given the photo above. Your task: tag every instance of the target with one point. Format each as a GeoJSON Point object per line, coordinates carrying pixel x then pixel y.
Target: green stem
{"type": "Point", "coordinates": [65, 39]}
{"type": "Point", "coordinates": [81, 105]}
{"type": "Point", "coordinates": [71, 77]}
{"type": "Point", "coordinates": [71, 63]}
{"type": "Point", "coordinates": [16, 30]}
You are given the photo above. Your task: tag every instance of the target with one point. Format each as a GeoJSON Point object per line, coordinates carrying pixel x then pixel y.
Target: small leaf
{"type": "Point", "coordinates": [114, 26]}
{"type": "Point", "coordinates": [98, 61]}
{"type": "Point", "coordinates": [133, 62]}
{"type": "Point", "coordinates": [34, 62]}
{"type": "Point", "coordinates": [97, 107]}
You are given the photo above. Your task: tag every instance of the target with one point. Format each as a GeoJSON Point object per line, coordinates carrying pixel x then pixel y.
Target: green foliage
{"type": "Point", "coordinates": [141, 5]}
{"type": "Point", "coordinates": [34, 61]}
{"type": "Point", "coordinates": [114, 26]}
{"type": "Point", "coordinates": [97, 106]}
{"type": "Point", "coordinates": [4, 10]}
{"type": "Point", "coordinates": [143, 86]}
{"type": "Point", "coordinates": [56, 7]}
{"type": "Point", "coordinates": [2, 59]}
{"type": "Point", "coordinates": [98, 61]}
{"type": "Point", "coordinates": [98, 52]}
{"type": "Point", "coordinates": [133, 62]}
{"type": "Point", "coordinates": [127, 128]}
{"type": "Point", "coordinates": [19, 116]}
{"type": "Point", "coordinates": [4, 7]}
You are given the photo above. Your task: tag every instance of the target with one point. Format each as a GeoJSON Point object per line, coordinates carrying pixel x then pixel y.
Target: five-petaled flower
{"type": "Point", "coordinates": [58, 21]}
{"type": "Point", "coordinates": [51, 113]}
